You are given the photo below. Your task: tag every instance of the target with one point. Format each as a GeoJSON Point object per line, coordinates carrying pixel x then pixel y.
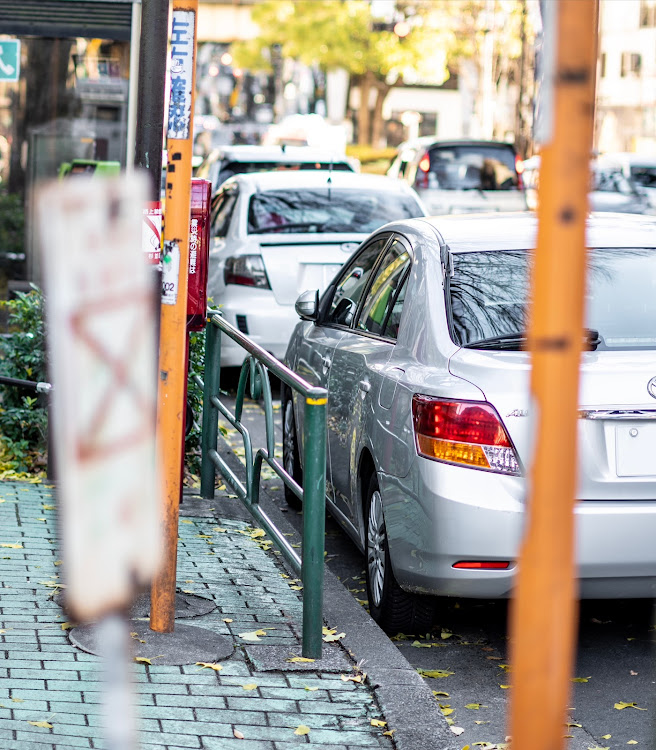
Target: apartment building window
{"type": "Point", "coordinates": [647, 14]}
{"type": "Point", "coordinates": [631, 64]}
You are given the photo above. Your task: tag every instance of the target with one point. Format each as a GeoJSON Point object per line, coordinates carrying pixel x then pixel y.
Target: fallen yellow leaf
{"type": "Point", "coordinates": [623, 704]}
{"type": "Point", "coordinates": [257, 533]}
{"type": "Point", "coordinates": [378, 723]}
{"type": "Point", "coordinates": [435, 673]}
{"type": "Point", "coordinates": [353, 677]}
{"type": "Point", "coordinates": [18, 700]}
{"type": "Point", "coordinates": [12, 546]}
{"type": "Point", "coordinates": [389, 732]}
{"type": "Point", "coordinates": [447, 711]}
{"type": "Point", "coordinates": [475, 706]}
{"type": "Point", "coordinates": [445, 634]}
{"type": "Point", "coordinates": [417, 644]}
{"type": "Point", "coordinates": [606, 736]}
{"type": "Point", "coordinates": [239, 735]}
{"type": "Point", "coordinates": [333, 637]}
{"type": "Point", "coordinates": [48, 507]}
{"type": "Point", "coordinates": [253, 635]}
{"type": "Point", "coordinates": [481, 722]}
{"type": "Point", "coordinates": [142, 660]}
{"type": "Point", "coordinates": [67, 625]}
{"type": "Point", "coordinates": [311, 689]}
{"type": "Point", "coordinates": [184, 520]}
{"type": "Point", "coordinates": [250, 686]}
{"type": "Point", "coordinates": [209, 665]}
{"type": "Point", "coordinates": [302, 729]}
{"type": "Point", "coordinates": [42, 724]}
{"type": "Point", "coordinates": [440, 692]}
{"type": "Point", "coordinates": [57, 562]}
{"type": "Point", "coordinates": [572, 724]}
{"type": "Point", "coordinates": [581, 679]}
{"type": "Point", "coordinates": [299, 659]}
{"type": "Point", "coordinates": [632, 742]}
{"type": "Point", "coordinates": [505, 667]}
{"type": "Point", "coordinates": [504, 687]}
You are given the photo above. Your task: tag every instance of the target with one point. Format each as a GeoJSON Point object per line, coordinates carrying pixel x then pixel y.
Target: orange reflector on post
{"type": "Point", "coordinates": [481, 565]}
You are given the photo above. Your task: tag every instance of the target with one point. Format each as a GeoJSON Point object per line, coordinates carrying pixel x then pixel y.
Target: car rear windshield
{"type": "Point", "coordinates": [242, 167]}
{"type": "Point", "coordinates": [472, 167]}
{"type": "Point", "coordinates": [489, 291]}
{"type": "Point", "coordinates": [327, 210]}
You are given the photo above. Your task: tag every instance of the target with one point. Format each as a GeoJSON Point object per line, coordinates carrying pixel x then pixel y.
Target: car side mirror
{"type": "Point", "coordinates": [307, 305]}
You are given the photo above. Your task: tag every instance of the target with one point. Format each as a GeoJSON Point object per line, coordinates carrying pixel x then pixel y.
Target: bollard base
{"type": "Point", "coordinates": [186, 645]}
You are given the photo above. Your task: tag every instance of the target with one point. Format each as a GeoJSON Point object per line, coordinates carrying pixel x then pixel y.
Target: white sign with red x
{"type": "Point", "coordinates": [101, 326]}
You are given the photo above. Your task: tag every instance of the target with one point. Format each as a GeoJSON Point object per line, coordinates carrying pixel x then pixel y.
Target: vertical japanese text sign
{"type": "Point", "coordinates": [103, 367]}
{"type": "Point", "coordinates": [182, 70]}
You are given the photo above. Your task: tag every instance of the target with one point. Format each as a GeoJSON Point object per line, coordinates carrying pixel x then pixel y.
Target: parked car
{"type": "Point", "coordinates": [420, 342]}
{"type": "Point", "coordinates": [610, 189]}
{"type": "Point", "coordinates": [227, 161]}
{"type": "Point", "coordinates": [639, 168]}
{"type": "Point", "coordinates": [275, 235]}
{"type": "Point", "coordinates": [461, 176]}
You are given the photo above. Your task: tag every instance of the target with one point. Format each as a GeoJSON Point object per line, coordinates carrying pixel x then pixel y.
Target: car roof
{"type": "Point", "coordinates": [316, 178]}
{"type": "Point", "coordinates": [627, 157]}
{"type": "Point", "coordinates": [518, 231]}
{"type": "Point", "coordinates": [276, 154]}
{"type": "Point", "coordinates": [427, 141]}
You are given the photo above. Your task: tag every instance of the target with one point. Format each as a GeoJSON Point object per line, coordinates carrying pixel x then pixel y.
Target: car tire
{"type": "Point", "coordinates": [395, 610]}
{"type": "Point", "coordinates": [290, 451]}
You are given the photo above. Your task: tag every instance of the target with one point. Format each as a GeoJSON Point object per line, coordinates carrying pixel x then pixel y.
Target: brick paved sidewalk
{"type": "Point", "coordinates": [257, 692]}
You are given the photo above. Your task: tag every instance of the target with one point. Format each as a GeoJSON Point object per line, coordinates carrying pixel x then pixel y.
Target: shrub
{"type": "Point", "coordinates": [23, 414]}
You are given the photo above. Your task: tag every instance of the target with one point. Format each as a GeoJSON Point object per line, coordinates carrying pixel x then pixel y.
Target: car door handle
{"type": "Point", "coordinates": [326, 362]}
{"type": "Point", "coordinates": [364, 386]}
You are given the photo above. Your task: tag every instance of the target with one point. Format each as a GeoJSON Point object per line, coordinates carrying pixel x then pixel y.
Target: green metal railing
{"type": "Point", "coordinates": [256, 368]}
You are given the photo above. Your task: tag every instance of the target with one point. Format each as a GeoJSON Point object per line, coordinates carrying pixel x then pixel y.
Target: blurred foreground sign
{"type": "Point", "coordinates": [101, 325]}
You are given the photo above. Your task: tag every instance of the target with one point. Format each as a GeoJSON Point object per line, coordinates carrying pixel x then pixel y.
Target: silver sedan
{"type": "Point", "coordinates": [420, 340]}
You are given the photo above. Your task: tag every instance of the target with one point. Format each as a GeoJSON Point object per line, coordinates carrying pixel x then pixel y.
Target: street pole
{"type": "Point", "coordinates": [175, 262]}
{"type": "Point", "coordinates": [152, 76]}
{"type": "Point", "coordinates": [544, 611]}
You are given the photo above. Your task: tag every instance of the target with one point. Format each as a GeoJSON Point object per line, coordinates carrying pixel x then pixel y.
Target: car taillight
{"type": "Point", "coordinates": [519, 168]}
{"type": "Point", "coordinates": [246, 270]}
{"type": "Point", "coordinates": [463, 432]}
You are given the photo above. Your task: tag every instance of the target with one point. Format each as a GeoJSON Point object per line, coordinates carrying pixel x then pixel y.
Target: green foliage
{"type": "Point", "coordinates": [23, 414]}
{"type": "Point", "coordinates": [195, 400]}
{"type": "Point", "coordinates": [340, 35]}
{"type": "Point", "coordinates": [12, 223]}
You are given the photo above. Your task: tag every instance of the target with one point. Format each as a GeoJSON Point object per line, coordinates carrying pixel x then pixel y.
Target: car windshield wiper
{"type": "Point", "coordinates": [288, 227]}
{"type": "Point", "coordinates": [517, 341]}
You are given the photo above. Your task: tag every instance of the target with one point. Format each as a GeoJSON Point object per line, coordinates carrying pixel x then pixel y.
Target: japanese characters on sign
{"type": "Point", "coordinates": [182, 68]}
{"type": "Point", "coordinates": [151, 232]}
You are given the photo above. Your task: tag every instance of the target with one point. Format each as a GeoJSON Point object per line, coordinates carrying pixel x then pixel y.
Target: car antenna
{"type": "Point", "coordinates": [330, 176]}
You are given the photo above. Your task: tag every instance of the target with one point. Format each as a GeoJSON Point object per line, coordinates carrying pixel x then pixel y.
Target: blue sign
{"type": "Point", "coordinates": [9, 59]}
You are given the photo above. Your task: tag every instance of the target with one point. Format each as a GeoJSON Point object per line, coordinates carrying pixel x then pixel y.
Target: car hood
{"type": "Point", "coordinates": [613, 463]}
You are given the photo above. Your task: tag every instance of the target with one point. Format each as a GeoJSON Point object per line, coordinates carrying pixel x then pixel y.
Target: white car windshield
{"type": "Point", "coordinates": [327, 210]}
{"type": "Point", "coordinates": [488, 296]}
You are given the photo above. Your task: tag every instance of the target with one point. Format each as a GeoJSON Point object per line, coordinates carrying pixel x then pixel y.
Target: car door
{"type": "Point", "coordinates": [355, 375]}
{"type": "Point", "coordinates": [222, 211]}
{"type": "Point", "coordinates": [314, 357]}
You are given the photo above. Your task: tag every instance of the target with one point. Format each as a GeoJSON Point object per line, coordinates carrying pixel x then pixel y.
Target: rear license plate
{"type": "Point", "coordinates": [635, 450]}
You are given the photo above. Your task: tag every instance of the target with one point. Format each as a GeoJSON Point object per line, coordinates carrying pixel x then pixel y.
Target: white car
{"type": "Point", "coordinates": [275, 235]}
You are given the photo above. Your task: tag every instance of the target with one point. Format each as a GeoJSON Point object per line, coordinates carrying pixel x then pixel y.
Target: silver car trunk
{"type": "Point", "coordinates": [295, 263]}
{"type": "Point", "coordinates": [617, 417]}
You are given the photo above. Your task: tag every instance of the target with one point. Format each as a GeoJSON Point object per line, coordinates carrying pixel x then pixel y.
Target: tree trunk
{"type": "Point", "coordinates": [378, 126]}
{"type": "Point", "coordinates": [364, 115]}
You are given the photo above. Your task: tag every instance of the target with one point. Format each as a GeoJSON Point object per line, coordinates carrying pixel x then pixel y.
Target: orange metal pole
{"type": "Point", "coordinates": [544, 611]}
{"type": "Point", "coordinates": [175, 262]}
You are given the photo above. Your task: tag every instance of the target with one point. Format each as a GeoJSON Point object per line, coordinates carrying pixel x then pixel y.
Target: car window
{"type": "Point", "coordinates": [381, 295]}
{"type": "Point", "coordinates": [352, 284]}
{"type": "Point", "coordinates": [327, 210]}
{"type": "Point", "coordinates": [394, 316]}
{"type": "Point", "coordinates": [469, 167]}
{"type": "Point", "coordinates": [645, 176]}
{"type": "Point", "coordinates": [222, 210]}
{"type": "Point", "coordinates": [489, 296]}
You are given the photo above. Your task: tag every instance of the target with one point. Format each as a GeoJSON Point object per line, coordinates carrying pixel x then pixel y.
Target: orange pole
{"type": "Point", "coordinates": [175, 262]}
{"type": "Point", "coordinates": [544, 611]}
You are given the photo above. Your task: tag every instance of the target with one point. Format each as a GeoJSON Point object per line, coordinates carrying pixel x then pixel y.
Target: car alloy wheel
{"type": "Point", "coordinates": [394, 609]}
{"type": "Point", "coordinates": [376, 545]}
{"type": "Point", "coordinates": [290, 453]}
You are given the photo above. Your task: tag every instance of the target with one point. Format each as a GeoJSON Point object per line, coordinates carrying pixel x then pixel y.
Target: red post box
{"type": "Point", "coordinates": [199, 253]}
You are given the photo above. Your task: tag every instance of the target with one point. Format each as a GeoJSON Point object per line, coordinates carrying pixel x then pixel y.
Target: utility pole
{"type": "Point", "coordinates": [175, 264]}
{"type": "Point", "coordinates": [544, 610]}
{"type": "Point", "coordinates": [152, 75]}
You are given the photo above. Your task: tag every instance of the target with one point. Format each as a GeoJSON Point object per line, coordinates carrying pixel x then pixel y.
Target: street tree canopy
{"type": "Point", "coordinates": [345, 35]}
